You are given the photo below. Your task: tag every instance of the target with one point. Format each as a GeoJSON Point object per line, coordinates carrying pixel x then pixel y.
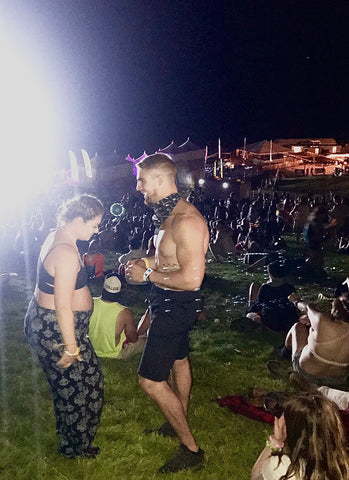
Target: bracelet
{"type": "Point", "coordinates": [146, 274]}
{"type": "Point", "coordinates": [146, 262]}
{"type": "Point", "coordinates": [77, 351]}
{"type": "Point", "coordinates": [273, 445]}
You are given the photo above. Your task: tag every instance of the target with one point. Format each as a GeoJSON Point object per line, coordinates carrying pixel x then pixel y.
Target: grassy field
{"type": "Point", "coordinates": [228, 357]}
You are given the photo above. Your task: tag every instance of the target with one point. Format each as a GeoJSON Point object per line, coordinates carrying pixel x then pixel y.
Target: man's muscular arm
{"type": "Point", "coordinates": [189, 234]}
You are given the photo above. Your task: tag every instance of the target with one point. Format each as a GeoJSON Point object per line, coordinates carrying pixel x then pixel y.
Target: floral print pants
{"type": "Point", "coordinates": [78, 389]}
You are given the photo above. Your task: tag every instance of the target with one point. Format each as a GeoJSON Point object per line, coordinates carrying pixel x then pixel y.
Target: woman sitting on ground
{"type": "Point", "coordinates": [320, 343]}
{"type": "Point", "coordinates": [308, 443]}
{"type": "Point", "coordinates": [269, 304]}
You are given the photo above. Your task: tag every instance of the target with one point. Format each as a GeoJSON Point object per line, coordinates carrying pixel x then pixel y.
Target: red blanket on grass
{"type": "Point", "coordinates": [240, 404]}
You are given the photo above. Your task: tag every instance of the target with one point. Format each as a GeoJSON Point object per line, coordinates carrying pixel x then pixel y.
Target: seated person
{"type": "Point", "coordinates": [319, 343]}
{"type": "Point", "coordinates": [308, 442]}
{"type": "Point", "coordinates": [223, 247]}
{"type": "Point", "coordinates": [111, 324]}
{"type": "Point", "coordinates": [253, 246]}
{"type": "Point", "coordinates": [94, 260]}
{"type": "Point", "coordinates": [270, 304]}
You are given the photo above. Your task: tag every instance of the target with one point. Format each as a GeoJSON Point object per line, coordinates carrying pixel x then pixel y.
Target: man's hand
{"type": "Point", "coordinates": [135, 270]}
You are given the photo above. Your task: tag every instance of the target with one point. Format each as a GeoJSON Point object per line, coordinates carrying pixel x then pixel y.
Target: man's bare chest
{"type": "Point", "coordinates": [165, 246]}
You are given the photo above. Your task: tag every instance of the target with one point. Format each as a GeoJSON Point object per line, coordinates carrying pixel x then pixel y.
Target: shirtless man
{"type": "Point", "coordinates": [176, 272]}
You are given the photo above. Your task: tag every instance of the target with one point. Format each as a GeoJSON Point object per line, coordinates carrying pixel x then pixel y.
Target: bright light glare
{"type": "Point", "coordinates": [201, 181]}
{"type": "Point", "coordinates": [225, 185]}
{"type": "Point", "coordinates": [28, 128]}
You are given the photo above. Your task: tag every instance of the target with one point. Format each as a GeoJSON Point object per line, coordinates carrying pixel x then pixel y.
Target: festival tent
{"type": "Point", "coordinates": [189, 160]}
{"type": "Point", "coordinates": [111, 169]}
{"type": "Point", "coordinates": [171, 149]}
{"type": "Point", "coordinates": [263, 148]}
{"type": "Point", "coordinates": [134, 161]}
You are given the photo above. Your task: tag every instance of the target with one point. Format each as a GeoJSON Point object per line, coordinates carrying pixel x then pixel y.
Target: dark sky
{"type": "Point", "coordinates": [133, 75]}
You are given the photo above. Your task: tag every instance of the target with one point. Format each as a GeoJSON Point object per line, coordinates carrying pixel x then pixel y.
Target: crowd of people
{"type": "Point", "coordinates": [152, 241]}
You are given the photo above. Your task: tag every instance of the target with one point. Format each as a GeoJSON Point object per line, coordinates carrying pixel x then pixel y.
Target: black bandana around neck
{"type": "Point", "coordinates": [163, 209]}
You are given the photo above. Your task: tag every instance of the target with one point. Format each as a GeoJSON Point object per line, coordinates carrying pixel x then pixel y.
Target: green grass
{"type": "Point", "coordinates": [228, 357]}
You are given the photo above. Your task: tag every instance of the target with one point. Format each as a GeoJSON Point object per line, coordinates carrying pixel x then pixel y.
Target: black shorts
{"type": "Point", "coordinates": [173, 315]}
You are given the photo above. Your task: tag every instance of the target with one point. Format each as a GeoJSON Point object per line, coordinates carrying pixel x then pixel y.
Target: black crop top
{"type": "Point", "coordinates": [45, 281]}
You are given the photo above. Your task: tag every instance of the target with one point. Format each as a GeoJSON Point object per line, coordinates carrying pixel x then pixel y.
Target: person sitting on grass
{"type": "Point", "coordinates": [269, 304]}
{"type": "Point", "coordinates": [222, 246]}
{"type": "Point", "coordinates": [308, 442]}
{"type": "Point", "coordinates": [112, 330]}
{"type": "Point", "coordinates": [319, 343]}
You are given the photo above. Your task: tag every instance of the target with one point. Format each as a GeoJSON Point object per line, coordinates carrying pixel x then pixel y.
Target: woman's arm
{"type": "Point", "coordinates": [66, 270]}
{"type": "Point", "coordinates": [276, 441]}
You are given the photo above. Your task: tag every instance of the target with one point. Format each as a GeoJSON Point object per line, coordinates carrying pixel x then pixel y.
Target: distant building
{"type": "Point", "coordinates": [318, 146]}
{"type": "Point", "coordinates": [289, 153]}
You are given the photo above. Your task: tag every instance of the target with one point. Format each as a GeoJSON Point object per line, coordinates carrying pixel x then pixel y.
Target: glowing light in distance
{"type": "Point", "coordinates": [201, 181]}
{"type": "Point", "coordinates": [28, 126]}
{"type": "Point", "coordinates": [225, 185]}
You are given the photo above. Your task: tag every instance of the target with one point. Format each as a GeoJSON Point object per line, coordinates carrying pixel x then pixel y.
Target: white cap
{"type": "Point", "coordinates": [112, 284]}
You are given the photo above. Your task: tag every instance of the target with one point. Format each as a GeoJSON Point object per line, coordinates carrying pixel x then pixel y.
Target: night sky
{"type": "Point", "coordinates": [133, 75]}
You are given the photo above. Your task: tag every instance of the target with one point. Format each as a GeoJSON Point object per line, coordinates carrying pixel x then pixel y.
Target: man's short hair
{"type": "Point", "coordinates": [158, 161]}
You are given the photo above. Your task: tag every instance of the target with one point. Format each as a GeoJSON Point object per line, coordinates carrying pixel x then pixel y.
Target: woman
{"type": "Point", "coordinates": [56, 327]}
{"type": "Point", "coordinates": [308, 443]}
{"type": "Point", "coordinates": [319, 343]}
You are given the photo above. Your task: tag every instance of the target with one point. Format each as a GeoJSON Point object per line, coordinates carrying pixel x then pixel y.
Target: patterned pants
{"type": "Point", "coordinates": [77, 390]}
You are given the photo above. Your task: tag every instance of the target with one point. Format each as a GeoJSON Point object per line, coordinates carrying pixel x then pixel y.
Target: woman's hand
{"type": "Point", "coordinates": [280, 429]}
{"type": "Point", "coordinates": [66, 359]}
{"type": "Point", "coordinates": [304, 319]}
{"type": "Point", "coordinates": [276, 442]}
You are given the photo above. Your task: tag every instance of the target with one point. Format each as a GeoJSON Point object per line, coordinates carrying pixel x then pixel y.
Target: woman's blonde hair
{"type": "Point", "coordinates": [315, 440]}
